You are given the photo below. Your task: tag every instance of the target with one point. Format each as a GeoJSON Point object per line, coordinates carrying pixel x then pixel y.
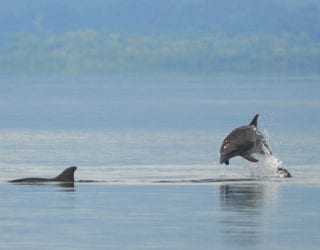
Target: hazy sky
{"type": "Point", "coordinates": [145, 16]}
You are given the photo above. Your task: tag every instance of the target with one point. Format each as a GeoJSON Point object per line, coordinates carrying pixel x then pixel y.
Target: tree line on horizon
{"type": "Point", "coordinates": [90, 52]}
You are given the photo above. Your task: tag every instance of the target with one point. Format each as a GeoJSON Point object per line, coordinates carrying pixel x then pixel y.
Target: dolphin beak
{"type": "Point", "coordinates": [224, 160]}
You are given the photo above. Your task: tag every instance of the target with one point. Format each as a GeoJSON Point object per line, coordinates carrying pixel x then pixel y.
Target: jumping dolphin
{"type": "Point", "coordinates": [244, 141]}
{"type": "Point", "coordinates": [66, 176]}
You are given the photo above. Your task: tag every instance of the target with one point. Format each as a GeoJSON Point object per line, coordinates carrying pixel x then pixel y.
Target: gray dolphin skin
{"type": "Point", "coordinates": [66, 176]}
{"type": "Point", "coordinates": [244, 141]}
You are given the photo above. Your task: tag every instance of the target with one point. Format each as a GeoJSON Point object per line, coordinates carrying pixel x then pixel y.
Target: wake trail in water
{"type": "Point", "coordinates": [182, 181]}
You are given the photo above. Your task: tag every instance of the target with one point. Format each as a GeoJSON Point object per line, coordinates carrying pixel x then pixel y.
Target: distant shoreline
{"type": "Point", "coordinates": [92, 52]}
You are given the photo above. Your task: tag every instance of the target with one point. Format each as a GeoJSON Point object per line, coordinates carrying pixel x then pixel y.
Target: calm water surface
{"type": "Point", "coordinates": [151, 145]}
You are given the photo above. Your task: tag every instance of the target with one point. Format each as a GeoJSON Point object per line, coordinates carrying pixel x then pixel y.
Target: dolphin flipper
{"type": "Point", "coordinates": [249, 158]}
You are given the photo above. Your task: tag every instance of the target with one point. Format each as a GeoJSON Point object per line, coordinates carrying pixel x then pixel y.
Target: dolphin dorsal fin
{"type": "Point", "coordinates": [254, 121]}
{"type": "Point", "coordinates": [67, 175]}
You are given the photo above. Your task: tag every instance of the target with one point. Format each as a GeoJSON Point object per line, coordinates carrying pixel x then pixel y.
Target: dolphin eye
{"type": "Point", "coordinates": [226, 143]}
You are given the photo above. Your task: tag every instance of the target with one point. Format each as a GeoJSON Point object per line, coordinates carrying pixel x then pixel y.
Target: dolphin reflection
{"type": "Point", "coordinates": [242, 210]}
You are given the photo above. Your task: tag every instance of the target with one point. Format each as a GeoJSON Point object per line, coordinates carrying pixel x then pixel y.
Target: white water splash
{"type": "Point", "coordinates": [268, 166]}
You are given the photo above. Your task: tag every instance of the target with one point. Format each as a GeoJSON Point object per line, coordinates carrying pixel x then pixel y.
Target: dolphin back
{"type": "Point", "coordinates": [66, 176]}
{"type": "Point", "coordinates": [30, 180]}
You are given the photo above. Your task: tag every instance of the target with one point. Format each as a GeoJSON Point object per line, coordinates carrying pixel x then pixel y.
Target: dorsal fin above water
{"type": "Point", "coordinates": [67, 175]}
{"type": "Point", "coordinates": [254, 121]}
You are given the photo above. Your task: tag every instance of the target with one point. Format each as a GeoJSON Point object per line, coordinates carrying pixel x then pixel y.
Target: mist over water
{"type": "Point", "coordinates": [148, 122]}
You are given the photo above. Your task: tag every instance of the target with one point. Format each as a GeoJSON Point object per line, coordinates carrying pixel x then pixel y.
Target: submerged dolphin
{"type": "Point", "coordinates": [66, 176]}
{"type": "Point", "coordinates": [244, 141]}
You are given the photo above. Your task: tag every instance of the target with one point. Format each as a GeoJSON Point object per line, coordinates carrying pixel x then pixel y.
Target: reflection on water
{"type": "Point", "coordinates": [65, 186]}
{"type": "Point", "coordinates": [242, 207]}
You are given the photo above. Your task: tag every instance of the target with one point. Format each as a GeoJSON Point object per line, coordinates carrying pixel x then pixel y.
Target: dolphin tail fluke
{"type": "Point", "coordinates": [282, 172]}
{"type": "Point", "coordinates": [254, 121]}
{"type": "Point", "coordinates": [67, 175]}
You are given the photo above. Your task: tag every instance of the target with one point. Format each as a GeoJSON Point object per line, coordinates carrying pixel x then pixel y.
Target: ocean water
{"type": "Point", "coordinates": [147, 151]}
